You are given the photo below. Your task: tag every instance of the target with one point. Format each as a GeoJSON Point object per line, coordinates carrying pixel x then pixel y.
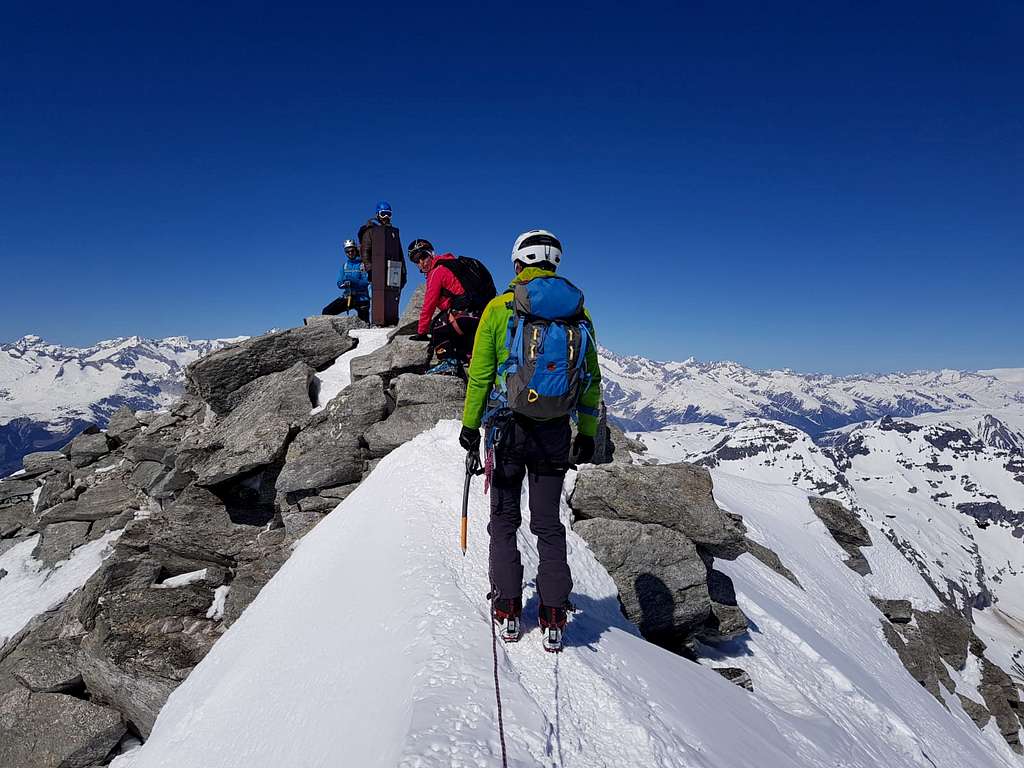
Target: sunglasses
{"type": "Point", "coordinates": [418, 256]}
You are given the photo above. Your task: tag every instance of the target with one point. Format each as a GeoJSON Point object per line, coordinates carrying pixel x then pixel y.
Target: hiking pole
{"type": "Point", "coordinates": [472, 468]}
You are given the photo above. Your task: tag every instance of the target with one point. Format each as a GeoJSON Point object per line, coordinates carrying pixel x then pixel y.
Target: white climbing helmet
{"type": "Point", "coordinates": [350, 244]}
{"type": "Point", "coordinates": [536, 246]}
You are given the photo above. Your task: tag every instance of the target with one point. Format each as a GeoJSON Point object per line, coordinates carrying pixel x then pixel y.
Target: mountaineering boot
{"type": "Point", "coordinates": [447, 367]}
{"type": "Point", "coordinates": [505, 613]}
{"type": "Point", "coordinates": [552, 624]}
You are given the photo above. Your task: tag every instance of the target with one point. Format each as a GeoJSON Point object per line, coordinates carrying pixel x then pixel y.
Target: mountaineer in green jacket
{"type": "Point", "coordinates": [534, 366]}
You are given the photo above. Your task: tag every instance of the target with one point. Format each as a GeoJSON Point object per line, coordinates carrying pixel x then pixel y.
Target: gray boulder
{"type": "Point", "coordinates": [257, 432]}
{"type": "Point", "coordinates": [400, 355]}
{"type": "Point", "coordinates": [43, 730]}
{"type": "Point", "coordinates": [122, 425]}
{"type": "Point", "coordinates": [726, 621]}
{"type": "Point", "coordinates": [150, 447]}
{"type": "Point", "coordinates": [143, 645]}
{"type": "Point", "coordinates": [163, 422]}
{"type": "Point", "coordinates": [846, 529]}
{"type": "Point", "coordinates": [919, 658]}
{"type": "Point", "coordinates": [54, 485]}
{"type": "Point", "coordinates": [14, 517]}
{"type": "Point", "coordinates": [15, 490]}
{"type": "Point", "coordinates": [108, 497]}
{"type": "Point", "coordinates": [896, 611]}
{"type": "Point", "coordinates": [676, 496]}
{"type": "Point", "coordinates": [257, 567]}
{"type": "Point", "coordinates": [948, 632]}
{"type": "Point", "coordinates": [58, 541]}
{"type": "Point", "coordinates": [43, 461]}
{"type": "Point", "coordinates": [976, 711]}
{"type": "Point", "coordinates": [147, 474]}
{"type": "Point", "coordinates": [661, 578]}
{"type": "Point", "coordinates": [330, 451]}
{"type": "Point", "coordinates": [409, 321]}
{"type": "Point", "coordinates": [49, 669]}
{"type": "Point", "coordinates": [1003, 700]}
{"type": "Point", "coordinates": [87, 448]}
{"type": "Point", "coordinates": [216, 376]}
{"type": "Point", "coordinates": [198, 529]}
{"type": "Point", "coordinates": [420, 402]}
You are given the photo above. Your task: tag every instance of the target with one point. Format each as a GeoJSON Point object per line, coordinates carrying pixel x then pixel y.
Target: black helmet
{"type": "Point", "coordinates": [419, 248]}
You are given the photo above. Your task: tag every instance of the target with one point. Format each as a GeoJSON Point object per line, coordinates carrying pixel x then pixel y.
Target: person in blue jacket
{"type": "Point", "coordinates": [354, 284]}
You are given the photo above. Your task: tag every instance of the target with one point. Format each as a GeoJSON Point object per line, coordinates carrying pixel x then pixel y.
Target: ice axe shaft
{"type": "Point", "coordinates": [472, 468]}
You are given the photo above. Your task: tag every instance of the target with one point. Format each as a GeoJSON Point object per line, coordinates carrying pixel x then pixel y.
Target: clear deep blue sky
{"type": "Point", "coordinates": [826, 186]}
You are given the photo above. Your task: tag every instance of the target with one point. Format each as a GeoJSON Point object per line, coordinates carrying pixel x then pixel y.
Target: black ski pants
{"type": "Point", "coordinates": [361, 304]}
{"type": "Point", "coordinates": [539, 451]}
{"type": "Point", "coordinates": [452, 335]}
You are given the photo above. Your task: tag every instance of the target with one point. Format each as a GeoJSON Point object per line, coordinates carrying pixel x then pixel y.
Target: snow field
{"type": "Point", "coordinates": [331, 381]}
{"type": "Point", "coordinates": [820, 652]}
{"type": "Point", "coordinates": [29, 588]}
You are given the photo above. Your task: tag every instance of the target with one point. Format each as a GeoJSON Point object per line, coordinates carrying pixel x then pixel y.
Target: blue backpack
{"type": "Point", "coordinates": [547, 339]}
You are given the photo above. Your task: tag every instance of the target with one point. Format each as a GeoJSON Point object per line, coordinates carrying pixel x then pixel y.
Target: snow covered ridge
{"type": "Point", "coordinates": [647, 395]}
{"type": "Point", "coordinates": [947, 490]}
{"type": "Point", "coordinates": [827, 690]}
{"type": "Point", "coordinates": [48, 392]}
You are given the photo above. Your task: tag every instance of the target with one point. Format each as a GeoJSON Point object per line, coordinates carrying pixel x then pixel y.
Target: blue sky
{"type": "Point", "coordinates": [829, 187]}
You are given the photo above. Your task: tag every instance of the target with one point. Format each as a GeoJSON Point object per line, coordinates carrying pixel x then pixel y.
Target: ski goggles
{"type": "Point", "coordinates": [417, 256]}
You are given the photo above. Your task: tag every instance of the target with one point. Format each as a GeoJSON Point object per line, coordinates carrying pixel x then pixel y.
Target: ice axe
{"type": "Point", "coordinates": [472, 468]}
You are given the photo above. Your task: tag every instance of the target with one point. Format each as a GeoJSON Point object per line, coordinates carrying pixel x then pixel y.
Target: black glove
{"type": "Point", "coordinates": [582, 449]}
{"type": "Point", "coordinates": [470, 440]}
{"type": "Point", "coordinates": [420, 337]}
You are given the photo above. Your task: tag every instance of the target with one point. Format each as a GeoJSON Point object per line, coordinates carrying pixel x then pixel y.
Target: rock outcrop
{"type": "Point", "coordinates": [218, 376]}
{"type": "Point", "coordinates": [209, 497]}
{"type": "Point", "coordinates": [657, 530]}
{"type": "Point", "coordinates": [846, 529]}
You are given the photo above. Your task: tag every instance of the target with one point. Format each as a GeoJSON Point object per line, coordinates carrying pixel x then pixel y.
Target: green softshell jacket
{"type": "Point", "coordinates": [489, 351]}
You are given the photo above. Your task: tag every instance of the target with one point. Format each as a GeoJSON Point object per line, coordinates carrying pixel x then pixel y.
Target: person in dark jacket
{"type": "Point", "coordinates": [449, 328]}
{"type": "Point", "coordinates": [354, 284]}
{"type": "Point", "coordinates": [384, 261]}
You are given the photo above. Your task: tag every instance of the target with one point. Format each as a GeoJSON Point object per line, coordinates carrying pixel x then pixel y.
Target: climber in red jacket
{"type": "Point", "coordinates": [451, 308]}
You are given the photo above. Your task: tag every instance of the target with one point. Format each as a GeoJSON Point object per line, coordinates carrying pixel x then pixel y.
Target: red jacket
{"type": "Point", "coordinates": [442, 285]}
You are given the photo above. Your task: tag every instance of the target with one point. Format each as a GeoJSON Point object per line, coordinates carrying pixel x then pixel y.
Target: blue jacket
{"type": "Point", "coordinates": [352, 272]}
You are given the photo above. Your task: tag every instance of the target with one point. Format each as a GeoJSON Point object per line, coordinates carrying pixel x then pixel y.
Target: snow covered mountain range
{"type": "Point", "coordinates": [49, 392]}
{"type": "Point", "coordinates": [267, 573]}
{"type": "Point", "coordinates": [647, 395]}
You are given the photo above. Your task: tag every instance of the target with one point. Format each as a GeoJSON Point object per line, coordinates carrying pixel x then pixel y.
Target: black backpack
{"type": "Point", "coordinates": [476, 281]}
